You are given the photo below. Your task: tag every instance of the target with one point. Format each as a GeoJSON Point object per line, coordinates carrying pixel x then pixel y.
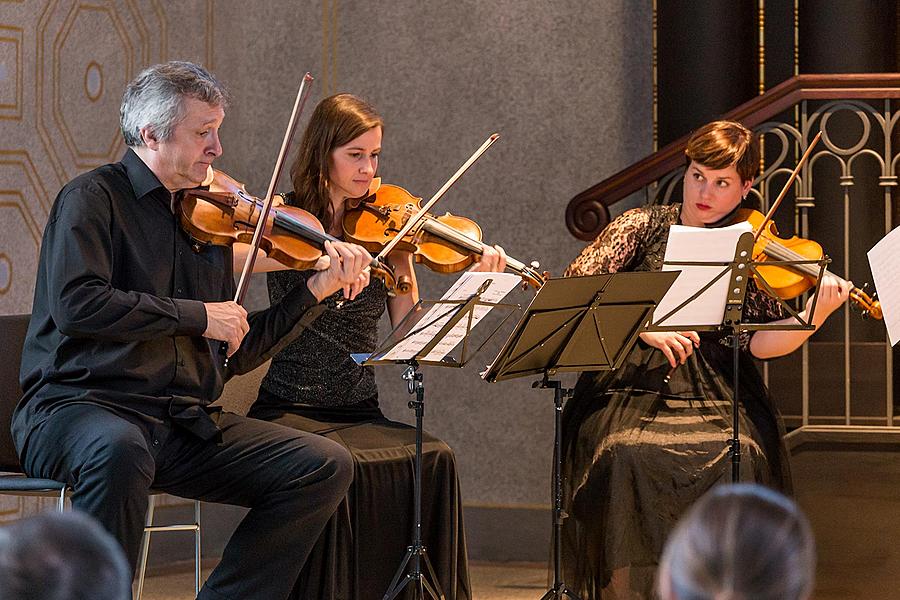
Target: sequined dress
{"type": "Point", "coordinates": [638, 451]}
{"type": "Point", "coordinates": [315, 386]}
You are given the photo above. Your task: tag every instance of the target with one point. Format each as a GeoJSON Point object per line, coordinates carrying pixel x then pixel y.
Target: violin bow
{"type": "Point", "coordinates": [412, 221]}
{"type": "Point", "coordinates": [299, 103]}
{"type": "Point", "coordinates": [786, 187]}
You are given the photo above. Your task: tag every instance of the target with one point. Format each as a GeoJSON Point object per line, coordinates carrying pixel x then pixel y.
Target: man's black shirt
{"type": "Point", "coordinates": [118, 311]}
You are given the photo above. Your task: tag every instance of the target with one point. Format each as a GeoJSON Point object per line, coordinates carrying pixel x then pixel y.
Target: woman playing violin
{"type": "Point", "coordinates": [640, 449]}
{"type": "Point", "coordinates": [314, 385]}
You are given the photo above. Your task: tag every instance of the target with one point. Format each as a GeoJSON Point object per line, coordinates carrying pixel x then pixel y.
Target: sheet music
{"type": "Point", "coordinates": [464, 287]}
{"type": "Point", "coordinates": [886, 275]}
{"type": "Point", "coordinates": [696, 244]}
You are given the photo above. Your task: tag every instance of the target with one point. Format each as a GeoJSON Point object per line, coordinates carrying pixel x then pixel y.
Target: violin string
{"type": "Point", "coordinates": [312, 234]}
{"type": "Point", "coordinates": [295, 226]}
{"type": "Point", "coordinates": [779, 252]}
{"type": "Point", "coordinates": [435, 227]}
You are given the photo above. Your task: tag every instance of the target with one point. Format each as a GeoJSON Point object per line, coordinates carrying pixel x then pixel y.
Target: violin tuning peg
{"type": "Point", "coordinates": [535, 265]}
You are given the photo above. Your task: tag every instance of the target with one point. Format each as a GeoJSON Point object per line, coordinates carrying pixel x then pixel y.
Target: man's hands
{"type": "Point", "coordinates": [227, 322]}
{"type": "Point", "coordinates": [674, 344]}
{"type": "Point", "coordinates": [347, 269]}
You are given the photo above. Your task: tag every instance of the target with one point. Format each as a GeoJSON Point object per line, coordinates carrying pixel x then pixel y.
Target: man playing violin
{"type": "Point", "coordinates": [121, 359]}
{"type": "Point", "coordinates": [644, 441]}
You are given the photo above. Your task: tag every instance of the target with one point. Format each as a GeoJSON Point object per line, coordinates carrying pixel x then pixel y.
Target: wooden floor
{"type": "Point", "coordinates": [489, 582]}
{"type": "Point", "coordinates": [853, 502]}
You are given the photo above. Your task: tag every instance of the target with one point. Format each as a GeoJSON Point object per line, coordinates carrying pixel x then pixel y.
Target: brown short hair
{"type": "Point", "coordinates": [721, 144]}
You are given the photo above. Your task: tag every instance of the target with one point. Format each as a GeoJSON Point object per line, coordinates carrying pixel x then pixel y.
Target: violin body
{"type": "Point", "coordinates": [787, 283]}
{"type": "Point", "coordinates": [378, 220]}
{"type": "Point", "coordinates": [226, 214]}
{"type": "Point", "coordinates": [445, 244]}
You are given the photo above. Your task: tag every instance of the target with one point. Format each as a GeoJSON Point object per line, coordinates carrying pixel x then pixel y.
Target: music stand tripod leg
{"type": "Point", "coordinates": [735, 449]}
{"type": "Point", "coordinates": [416, 552]}
{"type": "Point", "coordinates": [559, 589]}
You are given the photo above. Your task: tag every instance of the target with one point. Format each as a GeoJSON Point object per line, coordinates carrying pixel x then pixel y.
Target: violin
{"type": "Point", "coordinates": [445, 244]}
{"type": "Point", "coordinates": [226, 214]}
{"type": "Point", "coordinates": [789, 281]}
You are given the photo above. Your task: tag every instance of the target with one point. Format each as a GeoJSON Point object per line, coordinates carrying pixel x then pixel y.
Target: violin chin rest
{"type": "Point", "coordinates": [210, 175]}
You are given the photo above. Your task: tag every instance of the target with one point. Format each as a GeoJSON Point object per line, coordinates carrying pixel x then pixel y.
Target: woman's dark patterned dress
{"type": "Point", "coordinates": [639, 451]}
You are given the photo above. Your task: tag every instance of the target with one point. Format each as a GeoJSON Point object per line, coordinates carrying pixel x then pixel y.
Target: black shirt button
{"type": "Point", "coordinates": [156, 442]}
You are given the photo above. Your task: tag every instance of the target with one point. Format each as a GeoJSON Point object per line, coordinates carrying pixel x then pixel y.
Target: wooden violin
{"type": "Point", "coordinates": [445, 244]}
{"type": "Point", "coordinates": [789, 281]}
{"type": "Point", "coordinates": [226, 214]}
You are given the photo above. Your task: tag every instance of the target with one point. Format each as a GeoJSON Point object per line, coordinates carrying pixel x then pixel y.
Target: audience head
{"type": "Point", "coordinates": [61, 556]}
{"type": "Point", "coordinates": [740, 542]}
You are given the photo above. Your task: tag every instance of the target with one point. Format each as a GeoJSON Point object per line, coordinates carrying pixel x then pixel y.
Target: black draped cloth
{"type": "Point", "coordinates": [638, 451]}
{"type": "Point", "coordinates": [313, 385]}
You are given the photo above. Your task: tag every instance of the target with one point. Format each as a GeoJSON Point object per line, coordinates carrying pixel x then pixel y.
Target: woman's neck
{"type": "Point", "coordinates": [337, 215]}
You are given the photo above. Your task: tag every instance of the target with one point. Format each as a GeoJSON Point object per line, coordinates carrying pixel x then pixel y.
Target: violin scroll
{"type": "Point", "coordinates": [869, 305]}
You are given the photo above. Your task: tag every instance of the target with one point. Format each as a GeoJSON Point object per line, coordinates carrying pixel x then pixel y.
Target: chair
{"type": "Point", "coordinates": [13, 481]}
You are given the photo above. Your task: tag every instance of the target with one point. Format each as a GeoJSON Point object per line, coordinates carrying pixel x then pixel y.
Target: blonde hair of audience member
{"type": "Point", "coordinates": [740, 542]}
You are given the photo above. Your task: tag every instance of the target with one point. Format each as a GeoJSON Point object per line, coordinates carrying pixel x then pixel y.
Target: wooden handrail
{"type": "Point", "coordinates": [588, 213]}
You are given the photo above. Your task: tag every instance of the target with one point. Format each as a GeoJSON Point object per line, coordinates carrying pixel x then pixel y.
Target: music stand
{"type": "Point", "coordinates": [577, 324]}
{"type": "Point", "coordinates": [739, 270]}
{"type": "Point", "coordinates": [419, 333]}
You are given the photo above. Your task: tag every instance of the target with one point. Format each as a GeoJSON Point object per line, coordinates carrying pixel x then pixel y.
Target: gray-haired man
{"type": "Point", "coordinates": [120, 362]}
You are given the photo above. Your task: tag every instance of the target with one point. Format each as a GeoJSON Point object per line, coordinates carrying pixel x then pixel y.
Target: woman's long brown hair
{"type": "Point", "coordinates": [336, 121]}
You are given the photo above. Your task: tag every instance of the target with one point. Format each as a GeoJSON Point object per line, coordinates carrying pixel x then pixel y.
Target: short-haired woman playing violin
{"type": "Point", "coordinates": [646, 440]}
{"type": "Point", "coordinates": [314, 385]}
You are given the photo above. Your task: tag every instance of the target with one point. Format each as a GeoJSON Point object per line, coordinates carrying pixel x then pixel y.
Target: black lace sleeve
{"type": "Point", "coordinates": [615, 247]}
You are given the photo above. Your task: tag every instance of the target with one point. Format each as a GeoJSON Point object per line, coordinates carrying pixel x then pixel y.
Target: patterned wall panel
{"type": "Point", "coordinates": [63, 67]}
{"type": "Point", "coordinates": [11, 72]}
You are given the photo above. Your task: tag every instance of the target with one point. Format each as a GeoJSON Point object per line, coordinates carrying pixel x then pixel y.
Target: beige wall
{"type": "Point", "coordinates": [567, 85]}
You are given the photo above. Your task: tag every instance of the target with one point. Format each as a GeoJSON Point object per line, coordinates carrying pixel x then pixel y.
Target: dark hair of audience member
{"type": "Point", "coordinates": [740, 542]}
{"type": "Point", "coordinates": [61, 556]}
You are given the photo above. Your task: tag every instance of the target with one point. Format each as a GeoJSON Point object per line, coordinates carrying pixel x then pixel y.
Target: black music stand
{"type": "Point", "coordinates": [428, 323]}
{"type": "Point", "coordinates": [739, 271]}
{"type": "Point", "coordinates": [577, 324]}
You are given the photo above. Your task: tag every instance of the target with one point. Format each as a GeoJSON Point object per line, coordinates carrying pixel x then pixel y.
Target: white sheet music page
{"type": "Point", "coordinates": [439, 314]}
{"type": "Point", "coordinates": [883, 260]}
{"type": "Point", "coordinates": [697, 244]}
